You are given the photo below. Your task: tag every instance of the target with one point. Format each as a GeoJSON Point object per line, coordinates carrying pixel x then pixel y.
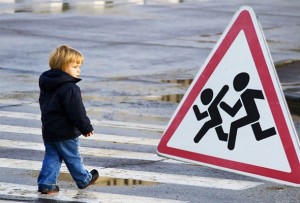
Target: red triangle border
{"type": "Point", "coordinates": [244, 23]}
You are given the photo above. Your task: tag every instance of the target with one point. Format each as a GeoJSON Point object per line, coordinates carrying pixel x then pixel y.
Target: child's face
{"type": "Point", "coordinates": [73, 69]}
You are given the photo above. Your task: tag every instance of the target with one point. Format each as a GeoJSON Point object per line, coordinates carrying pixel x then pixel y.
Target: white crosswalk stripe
{"type": "Point", "coordinates": [129, 125]}
{"type": "Point", "coordinates": [96, 137]}
{"type": "Point", "coordinates": [29, 191]}
{"type": "Point", "coordinates": [142, 175]}
{"type": "Point", "coordinates": [97, 152]}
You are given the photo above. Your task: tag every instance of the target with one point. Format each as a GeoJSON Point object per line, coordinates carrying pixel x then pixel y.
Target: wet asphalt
{"type": "Point", "coordinates": [140, 57]}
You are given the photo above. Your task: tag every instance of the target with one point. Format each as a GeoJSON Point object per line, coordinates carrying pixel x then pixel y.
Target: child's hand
{"type": "Point", "coordinates": [89, 134]}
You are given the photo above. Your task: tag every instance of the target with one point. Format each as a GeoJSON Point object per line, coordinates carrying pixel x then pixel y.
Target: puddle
{"type": "Point", "coordinates": [173, 98]}
{"type": "Point", "coordinates": [106, 181]}
{"type": "Point", "coordinates": [184, 82]}
{"type": "Point", "coordinates": [288, 73]}
{"type": "Point", "coordinates": [60, 6]}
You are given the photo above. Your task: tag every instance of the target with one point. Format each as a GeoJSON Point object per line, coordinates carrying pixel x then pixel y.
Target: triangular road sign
{"type": "Point", "coordinates": [234, 115]}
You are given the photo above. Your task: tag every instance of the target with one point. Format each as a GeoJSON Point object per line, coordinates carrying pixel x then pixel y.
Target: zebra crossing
{"type": "Point", "coordinates": [19, 191]}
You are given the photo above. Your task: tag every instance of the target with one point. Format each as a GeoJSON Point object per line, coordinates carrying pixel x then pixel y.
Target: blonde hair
{"type": "Point", "coordinates": [63, 56]}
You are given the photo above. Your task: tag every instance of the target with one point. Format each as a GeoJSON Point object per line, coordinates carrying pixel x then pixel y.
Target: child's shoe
{"type": "Point", "coordinates": [95, 176]}
{"type": "Point", "coordinates": [47, 191]}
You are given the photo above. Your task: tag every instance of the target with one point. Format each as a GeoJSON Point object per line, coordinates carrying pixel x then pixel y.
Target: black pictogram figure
{"type": "Point", "coordinates": [247, 99]}
{"type": "Point", "coordinates": [212, 111]}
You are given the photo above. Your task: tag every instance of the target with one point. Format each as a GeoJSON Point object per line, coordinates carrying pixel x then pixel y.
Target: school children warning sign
{"type": "Point", "coordinates": [234, 115]}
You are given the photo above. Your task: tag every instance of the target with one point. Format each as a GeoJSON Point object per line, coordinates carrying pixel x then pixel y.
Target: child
{"type": "Point", "coordinates": [64, 119]}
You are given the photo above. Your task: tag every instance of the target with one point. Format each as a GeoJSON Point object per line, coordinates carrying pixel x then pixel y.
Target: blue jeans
{"type": "Point", "coordinates": [55, 152]}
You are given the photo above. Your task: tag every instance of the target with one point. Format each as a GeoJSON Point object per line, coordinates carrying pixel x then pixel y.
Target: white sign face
{"type": "Point", "coordinates": [234, 115]}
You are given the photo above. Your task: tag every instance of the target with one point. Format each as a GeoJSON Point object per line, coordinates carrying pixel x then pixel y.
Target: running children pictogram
{"type": "Point", "coordinates": [247, 101]}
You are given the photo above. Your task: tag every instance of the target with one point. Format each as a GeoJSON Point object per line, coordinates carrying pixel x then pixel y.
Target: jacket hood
{"type": "Point", "coordinates": [52, 79]}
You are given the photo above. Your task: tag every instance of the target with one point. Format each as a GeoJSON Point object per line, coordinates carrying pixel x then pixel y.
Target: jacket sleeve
{"type": "Point", "coordinates": [75, 110]}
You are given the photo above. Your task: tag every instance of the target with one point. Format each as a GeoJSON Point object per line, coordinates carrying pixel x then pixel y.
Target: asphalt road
{"type": "Point", "coordinates": [140, 57]}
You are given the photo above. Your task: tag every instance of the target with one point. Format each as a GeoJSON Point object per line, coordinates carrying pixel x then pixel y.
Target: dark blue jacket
{"type": "Point", "coordinates": [63, 113]}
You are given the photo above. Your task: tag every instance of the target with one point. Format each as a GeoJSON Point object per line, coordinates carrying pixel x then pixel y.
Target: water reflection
{"type": "Point", "coordinates": [56, 6]}
{"type": "Point", "coordinates": [107, 181]}
{"type": "Point", "coordinates": [123, 182]}
{"type": "Point", "coordinates": [181, 82]}
{"type": "Point", "coordinates": [175, 98]}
